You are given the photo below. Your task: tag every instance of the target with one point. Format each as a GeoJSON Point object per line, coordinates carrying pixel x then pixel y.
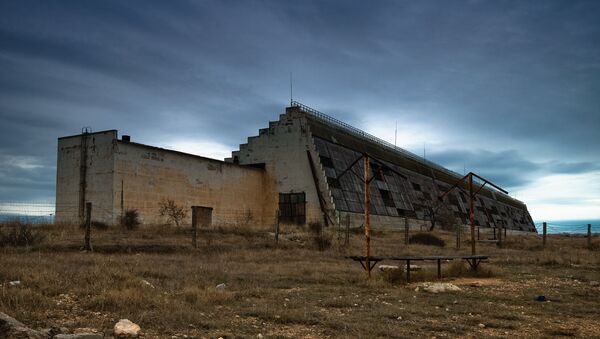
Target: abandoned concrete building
{"type": "Point", "coordinates": [302, 168]}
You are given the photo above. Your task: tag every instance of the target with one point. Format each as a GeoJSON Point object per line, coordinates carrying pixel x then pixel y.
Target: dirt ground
{"type": "Point", "coordinates": [153, 277]}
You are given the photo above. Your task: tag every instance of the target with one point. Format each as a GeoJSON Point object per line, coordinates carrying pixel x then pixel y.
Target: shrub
{"type": "Point", "coordinates": [130, 219]}
{"type": "Point", "coordinates": [19, 235]}
{"type": "Point", "coordinates": [174, 213]}
{"type": "Point", "coordinates": [426, 239]}
{"type": "Point", "coordinates": [321, 240]}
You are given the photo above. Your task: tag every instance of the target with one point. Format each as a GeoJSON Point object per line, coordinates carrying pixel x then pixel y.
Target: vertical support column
{"type": "Point", "coordinates": [458, 231]}
{"type": "Point", "coordinates": [500, 234]}
{"type": "Point", "coordinates": [277, 230]}
{"type": "Point", "coordinates": [122, 203]}
{"type": "Point", "coordinates": [406, 231]}
{"type": "Point", "coordinates": [347, 240]}
{"type": "Point", "coordinates": [544, 236]}
{"type": "Point", "coordinates": [87, 245]}
{"type": "Point", "coordinates": [589, 236]}
{"type": "Point", "coordinates": [472, 214]}
{"type": "Point", "coordinates": [83, 175]}
{"type": "Point", "coordinates": [194, 226]}
{"type": "Point", "coordinates": [367, 216]}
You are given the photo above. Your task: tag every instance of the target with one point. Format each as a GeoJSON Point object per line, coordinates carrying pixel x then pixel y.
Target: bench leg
{"type": "Point", "coordinates": [408, 271]}
{"type": "Point", "coordinates": [439, 262]}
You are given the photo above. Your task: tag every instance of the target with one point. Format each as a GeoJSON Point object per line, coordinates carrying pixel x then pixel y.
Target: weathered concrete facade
{"type": "Point", "coordinates": [293, 171]}
{"type": "Point", "coordinates": [124, 175]}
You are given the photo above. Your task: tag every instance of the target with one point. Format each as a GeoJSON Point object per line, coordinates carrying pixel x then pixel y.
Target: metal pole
{"type": "Point", "coordinates": [194, 226]}
{"type": "Point", "coordinates": [277, 229]}
{"type": "Point", "coordinates": [406, 231]}
{"type": "Point", "coordinates": [367, 219]}
{"type": "Point", "coordinates": [589, 235]}
{"type": "Point", "coordinates": [458, 229]}
{"type": "Point", "coordinates": [472, 214]}
{"type": "Point", "coordinates": [88, 227]}
{"type": "Point", "coordinates": [544, 236]}
{"type": "Point", "coordinates": [347, 240]}
{"type": "Point", "coordinates": [500, 234]}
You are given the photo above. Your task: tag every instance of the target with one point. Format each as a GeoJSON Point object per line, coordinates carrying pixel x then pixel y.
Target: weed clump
{"type": "Point", "coordinates": [19, 234]}
{"type": "Point", "coordinates": [320, 239]}
{"type": "Point", "coordinates": [130, 219]}
{"type": "Point", "coordinates": [426, 239]}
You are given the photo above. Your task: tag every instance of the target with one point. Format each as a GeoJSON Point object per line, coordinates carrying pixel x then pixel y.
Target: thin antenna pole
{"type": "Point", "coordinates": [396, 134]}
{"type": "Point", "coordinates": [291, 89]}
{"type": "Point", "coordinates": [424, 154]}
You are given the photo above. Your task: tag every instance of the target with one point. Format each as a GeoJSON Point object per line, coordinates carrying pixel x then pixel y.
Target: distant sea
{"type": "Point", "coordinates": [569, 226]}
{"type": "Point", "coordinates": [34, 219]}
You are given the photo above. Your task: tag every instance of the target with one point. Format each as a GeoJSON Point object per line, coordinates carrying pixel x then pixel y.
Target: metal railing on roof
{"type": "Point", "coordinates": [364, 135]}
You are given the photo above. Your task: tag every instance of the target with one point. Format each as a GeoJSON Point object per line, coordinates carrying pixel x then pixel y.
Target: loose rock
{"type": "Point", "coordinates": [14, 283]}
{"type": "Point", "coordinates": [388, 268]}
{"type": "Point", "coordinates": [125, 328]}
{"type": "Point", "coordinates": [594, 283]}
{"type": "Point", "coordinates": [12, 328]}
{"type": "Point", "coordinates": [79, 336]}
{"type": "Point", "coordinates": [221, 286]}
{"type": "Point", "coordinates": [441, 287]}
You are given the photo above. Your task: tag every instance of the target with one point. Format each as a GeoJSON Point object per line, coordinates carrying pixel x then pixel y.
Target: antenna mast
{"type": "Point", "coordinates": [396, 134]}
{"type": "Point", "coordinates": [291, 89]}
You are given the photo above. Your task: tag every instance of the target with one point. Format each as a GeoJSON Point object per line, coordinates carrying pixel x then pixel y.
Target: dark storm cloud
{"type": "Point", "coordinates": [509, 169]}
{"type": "Point", "coordinates": [517, 79]}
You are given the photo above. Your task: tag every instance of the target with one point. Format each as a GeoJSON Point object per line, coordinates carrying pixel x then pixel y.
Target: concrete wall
{"type": "Point", "coordinates": [145, 175]}
{"type": "Point", "coordinates": [150, 175]}
{"type": "Point", "coordinates": [282, 148]}
{"type": "Point", "coordinates": [98, 183]}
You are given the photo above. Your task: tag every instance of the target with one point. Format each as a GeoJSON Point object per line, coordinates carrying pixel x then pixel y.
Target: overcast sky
{"type": "Point", "coordinates": [507, 89]}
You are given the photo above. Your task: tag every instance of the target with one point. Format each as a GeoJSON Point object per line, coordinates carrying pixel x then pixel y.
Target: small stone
{"type": "Point", "coordinates": [441, 287]}
{"type": "Point", "coordinates": [481, 326]}
{"type": "Point", "coordinates": [79, 336]}
{"type": "Point", "coordinates": [147, 283]}
{"type": "Point", "coordinates": [259, 336]}
{"type": "Point", "coordinates": [14, 283]}
{"type": "Point", "coordinates": [127, 329]}
{"type": "Point", "coordinates": [594, 283]}
{"type": "Point", "coordinates": [399, 318]}
{"type": "Point", "coordinates": [221, 286]}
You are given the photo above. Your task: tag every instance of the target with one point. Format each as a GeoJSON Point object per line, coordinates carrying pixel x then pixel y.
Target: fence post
{"type": "Point", "coordinates": [544, 236]}
{"type": "Point", "coordinates": [478, 238]}
{"type": "Point", "coordinates": [458, 237]}
{"type": "Point", "coordinates": [500, 235]}
{"type": "Point", "coordinates": [277, 229]}
{"type": "Point", "coordinates": [194, 226]}
{"type": "Point", "coordinates": [87, 246]}
{"type": "Point", "coordinates": [589, 235]}
{"type": "Point", "coordinates": [406, 231]}
{"type": "Point", "coordinates": [347, 240]}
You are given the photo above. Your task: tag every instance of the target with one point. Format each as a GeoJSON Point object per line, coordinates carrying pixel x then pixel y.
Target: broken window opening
{"type": "Point", "coordinates": [292, 208]}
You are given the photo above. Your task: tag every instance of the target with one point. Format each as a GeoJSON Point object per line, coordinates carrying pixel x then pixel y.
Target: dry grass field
{"type": "Point", "coordinates": [153, 277]}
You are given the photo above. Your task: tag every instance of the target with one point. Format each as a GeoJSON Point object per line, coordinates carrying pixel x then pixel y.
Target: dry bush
{"type": "Point", "coordinates": [130, 219]}
{"type": "Point", "coordinates": [174, 213]}
{"type": "Point", "coordinates": [319, 236]}
{"type": "Point", "coordinates": [427, 239]}
{"type": "Point", "coordinates": [19, 234]}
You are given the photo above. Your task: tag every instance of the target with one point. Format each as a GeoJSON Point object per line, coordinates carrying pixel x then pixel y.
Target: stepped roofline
{"type": "Point", "coordinates": [332, 122]}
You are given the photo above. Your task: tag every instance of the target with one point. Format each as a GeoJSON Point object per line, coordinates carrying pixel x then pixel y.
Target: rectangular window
{"type": "Point", "coordinates": [388, 200]}
{"type": "Point", "coordinates": [333, 182]}
{"type": "Point", "coordinates": [326, 162]}
{"type": "Point", "coordinates": [292, 207]}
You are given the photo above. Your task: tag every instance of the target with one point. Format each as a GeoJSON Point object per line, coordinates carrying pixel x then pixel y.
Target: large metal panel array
{"type": "Point", "coordinates": [398, 192]}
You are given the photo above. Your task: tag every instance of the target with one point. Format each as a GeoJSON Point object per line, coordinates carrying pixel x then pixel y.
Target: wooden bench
{"type": "Point", "coordinates": [473, 260]}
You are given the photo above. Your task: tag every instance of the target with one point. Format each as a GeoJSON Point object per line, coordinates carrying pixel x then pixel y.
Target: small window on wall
{"type": "Point", "coordinates": [388, 200]}
{"type": "Point", "coordinates": [326, 161]}
{"type": "Point", "coordinates": [292, 208]}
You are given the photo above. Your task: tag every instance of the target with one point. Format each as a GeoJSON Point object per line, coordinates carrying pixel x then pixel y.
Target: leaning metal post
{"type": "Point", "coordinates": [471, 214]}
{"type": "Point", "coordinates": [367, 220]}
